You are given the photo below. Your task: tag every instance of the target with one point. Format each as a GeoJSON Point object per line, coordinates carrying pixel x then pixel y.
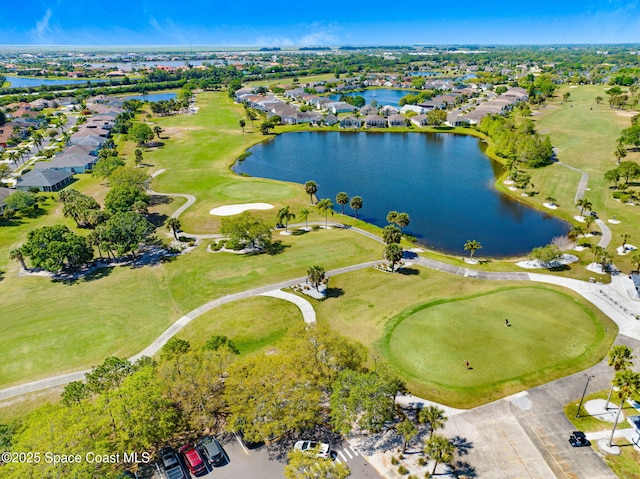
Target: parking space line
{"type": "Point", "coordinates": [241, 445]}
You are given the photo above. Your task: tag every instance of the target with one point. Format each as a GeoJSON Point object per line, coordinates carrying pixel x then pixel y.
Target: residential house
{"type": "Point", "coordinates": [397, 120]}
{"type": "Point", "coordinates": [88, 140]}
{"type": "Point", "coordinates": [39, 104]}
{"type": "Point", "coordinates": [336, 107]}
{"type": "Point", "coordinates": [45, 180]}
{"type": "Point", "coordinates": [330, 119]}
{"type": "Point", "coordinates": [368, 110]}
{"type": "Point", "coordinates": [420, 120]}
{"type": "Point", "coordinates": [350, 122]}
{"type": "Point", "coordinates": [74, 163]}
{"type": "Point", "coordinates": [375, 121]}
{"type": "Point", "coordinates": [389, 110]}
{"type": "Point", "coordinates": [6, 131]}
{"type": "Point", "coordinates": [4, 193]}
{"type": "Point", "coordinates": [415, 108]}
{"type": "Point", "coordinates": [456, 118]}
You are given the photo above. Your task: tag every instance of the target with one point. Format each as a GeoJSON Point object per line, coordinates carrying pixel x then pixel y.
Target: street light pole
{"type": "Point", "coordinates": [589, 377]}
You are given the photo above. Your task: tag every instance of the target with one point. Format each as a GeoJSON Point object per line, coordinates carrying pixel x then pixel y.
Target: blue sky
{"type": "Point", "coordinates": [285, 23]}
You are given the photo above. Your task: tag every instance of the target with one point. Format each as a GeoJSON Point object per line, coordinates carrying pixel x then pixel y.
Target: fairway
{"type": "Point", "coordinates": [550, 335]}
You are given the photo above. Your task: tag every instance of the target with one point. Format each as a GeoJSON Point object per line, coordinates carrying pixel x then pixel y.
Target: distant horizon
{"type": "Point", "coordinates": [371, 22]}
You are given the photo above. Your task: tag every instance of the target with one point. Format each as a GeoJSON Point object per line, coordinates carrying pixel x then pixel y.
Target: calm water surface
{"type": "Point", "coordinates": [384, 96]}
{"type": "Point", "coordinates": [15, 82]}
{"type": "Point", "coordinates": [444, 181]}
{"type": "Point", "coordinates": [152, 97]}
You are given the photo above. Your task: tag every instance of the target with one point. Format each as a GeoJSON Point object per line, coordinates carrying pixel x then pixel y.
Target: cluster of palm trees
{"type": "Point", "coordinates": [627, 381]}
{"type": "Point", "coordinates": [437, 447]}
{"type": "Point", "coordinates": [324, 205]}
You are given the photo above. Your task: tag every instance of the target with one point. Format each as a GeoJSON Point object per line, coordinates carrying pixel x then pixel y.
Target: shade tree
{"type": "Point", "coordinates": [246, 229]}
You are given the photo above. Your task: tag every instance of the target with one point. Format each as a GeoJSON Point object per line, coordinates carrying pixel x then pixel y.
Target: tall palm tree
{"type": "Point", "coordinates": [588, 221]}
{"type": "Point", "coordinates": [408, 431]}
{"type": "Point", "coordinates": [304, 215]}
{"type": "Point", "coordinates": [356, 204]}
{"type": "Point", "coordinates": [583, 204]}
{"type": "Point", "coordinates": [402, 220]}
{"type": "Point", "coordinates": [392, 216]}
{"type": "Point", "coordinates": [440, 449]}
{"type": "Point", "coordinates": [315, 275]}
{"type": "Point", "coordinates": [605, 259]}
{"type": "Point", "coordinates": [285, 215]}
{"type": "Point", "coordinates": [393, 254]}
{"type": "Point", "coordinates": [575, 232]}
{"type": "Point", "coordinates": [18, 255]}
{"type": "Point", "coordinates": [625, 237]}
{"type": "Point", "coordinates": [472, 246]}
{"type": "Point", "coordinates": [434, 417]}
{"type": "Point", "coordinates": [173, 224]}
{"type": "Point", "coordinates": [311, 187]}
{"type": "Point", "coordinates": [619, 358]}
{"type": "Point", "coordinates": [628, 383]}
{"type": "Point", "coordinates": [342, 199]}
{"type": "Point", "coordinates": [325, 206]}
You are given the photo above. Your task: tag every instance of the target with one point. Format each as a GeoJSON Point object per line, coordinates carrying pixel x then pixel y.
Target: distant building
{"type": "Point", "coordinates": [45, 180]}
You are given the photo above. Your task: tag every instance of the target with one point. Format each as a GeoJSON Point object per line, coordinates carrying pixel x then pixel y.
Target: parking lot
{"type": "Point", "coordinates": [268, 461]}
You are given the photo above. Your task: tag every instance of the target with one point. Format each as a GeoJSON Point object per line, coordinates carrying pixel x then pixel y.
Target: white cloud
{"type": "Point", "coordinates": [42, 26]}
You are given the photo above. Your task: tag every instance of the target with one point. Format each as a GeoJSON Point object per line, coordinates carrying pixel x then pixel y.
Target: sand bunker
{"type": "Point", "coordinates": [229, 210]}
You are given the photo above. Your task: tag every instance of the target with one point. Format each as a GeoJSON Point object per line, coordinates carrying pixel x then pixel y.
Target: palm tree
{"type": "Point", "coordinates": [304, 215]}
{"type": "Point", "coordinates": [342, 199]}
{"type": "Point", "coordinates": [311, 187]}
{"type": "Point", "coordinates": [551, 200]}
{"type": "Point", "coordinates": [440, 449]}
{"type": "Point", "coordinates": [583, 204]}
{"type": "Point", "coordinates": [402, 220]}
{"type": "Point", "coordinates": [285, 215]}
{"type": "Point", "coordinates": [393, 254]}
{"type": "Point", "coordinates": [635, 260]}
{"type": "Point", "coordinates": [575, 232]}
{"type": "Point", "coordinates": [628, 383]}
{"type": "Point", "coordinates": [18, 255]}
{"type": "Point", "coordinates": [242, 124]}
{"type": "Point", "coordinates": [315, 274]}
{"type": "Point", "coordinates": [588, 221]}
{"type": "Point", "coordinates": [173, 224]}
{"type": "Point", "coordinates": [472, 246]}
{"type": "Point", "coordinates": [157, 130]}
{"type": "Point", "coordinates": [408, 431]}
{"type": "Point", "coordinates": [356, 204]}
{"type": "Point", "coordinates": [597, 252]}
{"type": "Point", "coordinates": [325, 206]}
{"type": "Point", "coordinates": [605, 260]}
{"type": "Point", "coordinates": [392, 216]}
{"type": "Point", "coordinates": [391, 234]}
{"type": "Point", "coordinates": [625, 237]}
{"type": "Point", "coordinates": [434, 417]}
{"type": "Point", "coordinates": [619, 358]}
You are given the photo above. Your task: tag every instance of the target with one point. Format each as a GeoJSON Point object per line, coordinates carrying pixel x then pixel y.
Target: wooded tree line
{"type": "Point", "coordinates": [187, 391]}
{"type": "Point", "coordinates": [517, 142]}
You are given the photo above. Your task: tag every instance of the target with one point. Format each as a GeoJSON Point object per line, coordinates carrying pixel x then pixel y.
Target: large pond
{"type": "Point", "coordinates": [151, 97]}
{"type": "Point", "coordinates": [383, 96]}
{"type": "Point", "coordinates": [15, 82]}
{"type": "Point", "coordinates": [444, 181]}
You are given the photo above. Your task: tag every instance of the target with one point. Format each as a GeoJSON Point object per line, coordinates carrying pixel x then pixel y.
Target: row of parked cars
{"type": "Point", "coordinates": [196, 458]}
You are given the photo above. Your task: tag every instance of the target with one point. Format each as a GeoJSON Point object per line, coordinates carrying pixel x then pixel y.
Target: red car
{"type": "Point", "coordinates": [194, 461]}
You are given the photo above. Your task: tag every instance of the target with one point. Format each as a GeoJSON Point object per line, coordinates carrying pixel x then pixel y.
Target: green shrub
{"type": "Point", "coordinates": [234, 245]}
{"type": "Point", "coordinates": [184, 239]}
{"type": "Point", "coordinates": [421, 461]}
{"type": "Point", "coordinates": [403, 470]}
{"type": "Point", "coordinates": [394, 460]}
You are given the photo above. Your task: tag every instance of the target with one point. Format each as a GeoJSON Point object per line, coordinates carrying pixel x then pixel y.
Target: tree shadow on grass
{"type": "Point", "coordinates": [276, 247]}
{"type": "Point", "coordinates": [335, 292]}
{"type": "Point", "coordinates": [409, 271]}
{"type": "Point", "coordinates": [157, 219]}
{"type": "Point", "coordinates": [155, 200]}
{"type": "Point", "coordinates": [98, 273]}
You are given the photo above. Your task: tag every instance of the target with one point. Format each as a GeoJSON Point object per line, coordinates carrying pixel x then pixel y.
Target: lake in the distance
{"type": "Point", "coordinates": [383, 96]}
{"type": "Point", "coordinates": [151, 97]}
{"type": "Point", "coordinates": [444, 181]}
{"type": "Point", "coordinates": [15, 82]}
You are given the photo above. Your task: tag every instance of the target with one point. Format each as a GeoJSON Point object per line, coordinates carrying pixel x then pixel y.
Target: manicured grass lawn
{"type": "Point", "coordinates": [252, 324]}
{"type": "Point", "coordinates": [553, 333]}
{"type": "Point", "coordinates": [585, 134]}
{"type": "Point", "coordinates": [51, 328]}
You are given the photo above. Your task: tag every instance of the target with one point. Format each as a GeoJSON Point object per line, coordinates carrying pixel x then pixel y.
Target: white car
{"type": "Point", "coordinates": [319, 448]}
